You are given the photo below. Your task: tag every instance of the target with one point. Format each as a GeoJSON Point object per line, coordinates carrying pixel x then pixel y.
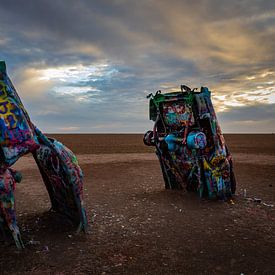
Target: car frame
{"type": "Point", "coordinates": [189, 143]}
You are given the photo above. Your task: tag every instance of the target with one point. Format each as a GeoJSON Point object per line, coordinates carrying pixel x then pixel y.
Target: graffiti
{"type": "Point", "coordinates": [58, 166]}
{"type": "Point", "coordinates": [189, 143]}
{"type": "Point", "coordinates": [176, 114]}
{"type": "Point", "coordinates": [7, 205]}
{"type": "Point", "coordinates": [9, 111]}
{"type": "Point", "coordinates": [15, 127]}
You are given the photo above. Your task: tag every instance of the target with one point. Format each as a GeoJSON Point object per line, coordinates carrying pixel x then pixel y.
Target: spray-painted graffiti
{"type": "Point", "coordinates": [189, 143]}
{"type": "Point", "coordinates": [14, 123]}
{"type": "Point", "coordinates": [176, 114]}
{"type": "Point", "coordinates": [58, 165]}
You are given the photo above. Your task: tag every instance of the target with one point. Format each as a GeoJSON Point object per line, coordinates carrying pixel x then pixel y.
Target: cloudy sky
{"type": "Point", "coordinates": [86, 66]}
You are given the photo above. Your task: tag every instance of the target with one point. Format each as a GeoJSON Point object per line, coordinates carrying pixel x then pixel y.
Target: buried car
{"type": "Point", "coordinates": [189, 143]}
{"type": "Point", "coordinates": [58, 165]}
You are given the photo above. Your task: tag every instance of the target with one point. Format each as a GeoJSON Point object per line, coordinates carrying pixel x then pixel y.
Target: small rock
{"type": "Point", "coordinates": [46, 248]}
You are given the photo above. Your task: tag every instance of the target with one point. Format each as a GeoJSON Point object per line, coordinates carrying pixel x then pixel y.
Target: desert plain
{"type": "Point", "coordinates": [138, 227]}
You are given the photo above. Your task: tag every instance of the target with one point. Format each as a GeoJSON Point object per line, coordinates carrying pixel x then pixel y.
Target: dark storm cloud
{"type": "Point", "coordinates": [258, 112]}
{"type": "Point", "coordinates": [147, 45]}
{"type": "Point", "coordinates": [250, 119]}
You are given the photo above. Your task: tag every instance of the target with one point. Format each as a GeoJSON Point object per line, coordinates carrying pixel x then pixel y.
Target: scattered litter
{"type": "Point", "coordinates": [257, 200]}
{"type": "Point", "coordinates": [46, 248]}
{"type": "Point", "coordinates": [268, 205]}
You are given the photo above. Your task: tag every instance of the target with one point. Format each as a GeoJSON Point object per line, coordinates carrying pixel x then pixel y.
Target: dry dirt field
{"type": "Point", "coordinates": [138, 227]}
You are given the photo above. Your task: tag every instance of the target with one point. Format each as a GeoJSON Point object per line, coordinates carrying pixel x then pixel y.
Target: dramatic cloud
{"type": "Point", "coordinates": [86, 66]}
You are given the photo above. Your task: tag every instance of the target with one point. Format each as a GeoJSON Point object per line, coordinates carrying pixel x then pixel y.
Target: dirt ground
{"type": "Point", "coordinates": [138, 227]}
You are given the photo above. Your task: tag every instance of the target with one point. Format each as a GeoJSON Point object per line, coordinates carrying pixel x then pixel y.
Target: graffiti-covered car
{"type": "Point", "coordinates": [57, 164]}
{"type": "Point", "coordinates": [189, 143]}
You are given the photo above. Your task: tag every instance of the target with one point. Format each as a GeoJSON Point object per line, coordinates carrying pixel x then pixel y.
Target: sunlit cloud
{"type": "Point", "coordinates": [250, 77]}
{"type": "Point", "coordinates": [266, 74]}
{"type": "Point", "coordinates": [76, 74]}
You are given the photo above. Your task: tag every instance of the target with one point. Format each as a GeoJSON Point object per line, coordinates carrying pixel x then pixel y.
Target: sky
{"type": "Point", "coordinates": [86, 66]}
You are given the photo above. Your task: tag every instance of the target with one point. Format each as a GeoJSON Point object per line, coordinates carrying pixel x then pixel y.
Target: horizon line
{"type": "Point", "coordinates": [141, 133]}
